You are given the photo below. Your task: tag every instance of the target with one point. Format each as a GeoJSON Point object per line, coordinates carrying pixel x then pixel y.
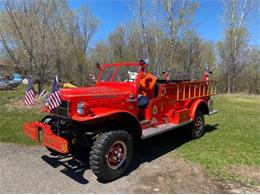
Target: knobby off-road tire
{"type": "Point", "coordinates": [111, 155]}
{"type": "Point", "coordinates": [198, 125]}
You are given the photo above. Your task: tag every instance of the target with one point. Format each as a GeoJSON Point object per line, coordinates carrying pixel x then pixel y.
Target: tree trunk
{"type": "Point", "coordinates": [229, 85]}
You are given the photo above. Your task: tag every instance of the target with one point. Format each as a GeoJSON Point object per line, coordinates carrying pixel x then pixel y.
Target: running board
{"type": "Point", "coordinates": [152, 131]}
{"type": "Point", "coordinates": [213, 112]}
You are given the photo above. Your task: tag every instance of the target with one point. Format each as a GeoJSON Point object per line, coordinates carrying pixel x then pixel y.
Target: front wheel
{"type": "Point", "coordinates": [198, 125]}
{"type": "Point", "coordinates": [111, 154]}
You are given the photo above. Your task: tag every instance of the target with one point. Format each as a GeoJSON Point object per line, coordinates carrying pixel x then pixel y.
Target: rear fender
{"type": "Point", "coordinates": [200, 104]}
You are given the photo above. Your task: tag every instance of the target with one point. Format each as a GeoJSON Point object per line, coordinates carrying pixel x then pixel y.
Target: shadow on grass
{"type": "Point", "coordinates": [75, 165]}
{"type": "Point", "coordinates": [209, 128]}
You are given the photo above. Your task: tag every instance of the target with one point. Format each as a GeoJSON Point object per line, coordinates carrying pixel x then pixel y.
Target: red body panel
{"type": "Point", "coordinates": [31, 130]}
{"type": "Point", "coordinates": [49, 139]}
{"type": "Point", "coordinates": [181, 116]}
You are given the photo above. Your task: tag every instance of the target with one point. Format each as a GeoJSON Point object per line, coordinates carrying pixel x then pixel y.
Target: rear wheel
{"type": "Point", "coordinates": [198, 125]}
{"type": "Point", "coordinates": [111, 154]}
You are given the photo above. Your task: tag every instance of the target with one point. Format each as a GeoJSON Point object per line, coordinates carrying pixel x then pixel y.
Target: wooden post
{"type": "Point", "coordinates": [209, 87]}
{"type": "Point", "coordinates": [204, 88]}
{"type": "Point", "coordinates": [199, 89]}
{"type": "Point", "coordinates": [195, 89]}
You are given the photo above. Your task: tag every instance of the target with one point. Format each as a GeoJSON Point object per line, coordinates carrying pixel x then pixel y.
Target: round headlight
{"type": "Point", "coordinates": [81, 108]}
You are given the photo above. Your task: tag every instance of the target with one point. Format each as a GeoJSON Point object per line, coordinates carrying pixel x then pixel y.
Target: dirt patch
{"type": "Point", "coordinates": [239, 188]}
{"type": "Point", "coordinates": [169, 183]}
{"type": "Point", "coordinates": [177, 176]}
{"type": "Point", "coordinates": [18, 103]}
{"type": "Point", "coordinates": [248, 174]}
{"type": "Point", "coordinates": [174, 175]}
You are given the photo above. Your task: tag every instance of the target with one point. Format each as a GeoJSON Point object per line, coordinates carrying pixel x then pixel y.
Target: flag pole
{"type": "Point", "coordinates": [55, 102]}
{"type": "Point", "coordinates": [58, 125]}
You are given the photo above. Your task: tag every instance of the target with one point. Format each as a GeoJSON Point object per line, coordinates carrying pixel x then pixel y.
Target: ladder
{"type": "Point", "coordinates": [195, 89]}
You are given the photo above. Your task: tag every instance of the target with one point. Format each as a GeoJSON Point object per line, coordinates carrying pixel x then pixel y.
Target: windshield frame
{"type": "Point", "coordinates": [117, 66]}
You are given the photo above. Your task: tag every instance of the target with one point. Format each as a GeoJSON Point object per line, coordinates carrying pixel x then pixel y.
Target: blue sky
{"type": "Point", "coordinates": [112, 13]}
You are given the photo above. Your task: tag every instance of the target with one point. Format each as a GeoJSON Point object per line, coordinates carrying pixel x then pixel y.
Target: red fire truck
{"type": "Point", "coordinates": [106, 117]}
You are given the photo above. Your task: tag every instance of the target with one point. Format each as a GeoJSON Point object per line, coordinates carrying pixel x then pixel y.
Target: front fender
{"type": "Point", "coordinates": [100, 112]}
{"type": "Point", "coordinates": [199, 104]}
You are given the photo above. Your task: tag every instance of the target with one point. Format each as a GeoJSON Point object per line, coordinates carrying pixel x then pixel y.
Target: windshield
{"type": "Point", "coordinates": [126, 74]}
{"type": "Point", "coordinates": [123, 74]}
{"type": "Point", "coordinates": [108, 74]}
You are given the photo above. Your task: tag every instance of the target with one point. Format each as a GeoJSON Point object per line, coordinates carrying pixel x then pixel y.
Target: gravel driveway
{"type": "Point", "coordinates": [155, 169]}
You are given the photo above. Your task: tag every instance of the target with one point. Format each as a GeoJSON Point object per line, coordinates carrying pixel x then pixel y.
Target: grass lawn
{"type": "Point", "coordinates": [11, 120]}
{"type": "Point", "coordinates": [235, 140]}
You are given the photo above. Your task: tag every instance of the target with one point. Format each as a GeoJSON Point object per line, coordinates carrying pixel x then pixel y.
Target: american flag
{"type": "Point", "coordinates": [29, 99]}
{"type": "Point", "coordinates": [54, 99]}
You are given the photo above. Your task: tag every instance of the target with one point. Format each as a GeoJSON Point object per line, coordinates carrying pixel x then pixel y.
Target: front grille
{"type": "Point", "coordinates": [62, 110]}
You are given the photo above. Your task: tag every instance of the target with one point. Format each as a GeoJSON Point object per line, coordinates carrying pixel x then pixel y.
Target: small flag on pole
{"type": "Point", "coordinates": [29, 95]}
{"type": "Point", "coordinates": [55, 99]}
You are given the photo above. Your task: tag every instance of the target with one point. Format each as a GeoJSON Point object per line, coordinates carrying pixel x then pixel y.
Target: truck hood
{"type": "Point", "coordinates": [96, 91]}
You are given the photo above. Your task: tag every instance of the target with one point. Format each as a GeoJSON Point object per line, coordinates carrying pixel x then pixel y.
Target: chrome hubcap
{"type": "Point", "coordinates": [116, 155]}
{"type": "Point", "coordinates": [198, 125]}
